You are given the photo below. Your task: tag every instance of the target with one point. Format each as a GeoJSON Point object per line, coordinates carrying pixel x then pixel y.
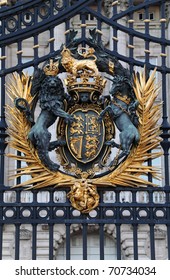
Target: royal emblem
{"type": "Point", "coordinates": [101, 138]}
{"type": "Point", "coordinates": [85, 136]}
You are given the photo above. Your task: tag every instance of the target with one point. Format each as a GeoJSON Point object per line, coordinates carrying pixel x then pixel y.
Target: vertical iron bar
{"type": "Point", "coordinates": [51, 229]}
{"type": "Point", "coordinates": [51, 42]}
{"type": "Point", "coordinates": [67, 225]}
{"type": "Point", "coordinates": [3, 54]}
{"type": "Point", "coordinates": [147, 54]}
{"type": "Point", "coordinates": [99, 24]}
{"type": "Point", "coordinates": [101, 228]}
{"type": "Point", "coordinates": [118, 241]}
{"type": "Point", "coordinates": [67, 22]}
{"type": "Point", "coordinates": [115, 39]}
{"type": "Point", "coordinates": [168, 241]}
{"type": "Point", "coordinates": [131, 41]}
{"type": "Point", "coordinates": [35, 49]}
{"type": "Point", "coordinates": [68, 242]}
{"type": "Point", "coordinates": [17, 241]}
{"type": "Point", "coordinates": [34, 228]}
{"type": "Point", "coordinates": [51, 241]}
{"type": "Point", "coordinates": [17, 226]}
{"type": "Point", "coordinates": [83, 28]}
{"type": "Point", "coordinates": [84, 232]}
{"type": "Point", "coordinates": [3, 124]}
{"type": "Point", "coordinates": [34, 241]}
{"type": "Point", "coordinates": [101, 232]}
{"type": "Point", "coordinates": [118, 226]}
{"type": "Point", "coordinates": [135, 229]}
{"type": "Point", "coordinates": [151, 225]}
{"type": "Point", "coordinates": [165, 124]}
{"type": "Point", "coordinates": [35, 37]}
{"type": "Point", "coordinates": [152, 242]}
{"type": "Point", "coordinates": [52, 8]}
{"type": "Point", "coordinates": [168, 219]}
{"type": "Point", "coordinates": [135, 241]}
{"type": "Point", "coordinates": [19, 56]}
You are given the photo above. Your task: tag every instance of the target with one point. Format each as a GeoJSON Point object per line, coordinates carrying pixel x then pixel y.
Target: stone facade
{"type": "Point", "coordinates": [42, 248]}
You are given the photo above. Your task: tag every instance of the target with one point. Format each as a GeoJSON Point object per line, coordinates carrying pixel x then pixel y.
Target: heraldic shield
{"type": "Point", "coordinates": [101, 138]}
{"type": "Point", "coordinates": [85, 136]}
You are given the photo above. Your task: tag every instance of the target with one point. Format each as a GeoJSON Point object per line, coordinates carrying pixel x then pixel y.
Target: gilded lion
{"type": "Point", "coordinates": [73, 65]}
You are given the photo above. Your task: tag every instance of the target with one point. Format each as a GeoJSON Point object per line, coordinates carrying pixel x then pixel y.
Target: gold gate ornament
{"type": "Point", "coordinates": [85, 154]}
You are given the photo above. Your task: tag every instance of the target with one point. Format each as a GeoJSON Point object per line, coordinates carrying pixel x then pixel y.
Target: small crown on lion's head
{"type": "Point", "coordinates": [51, 69]}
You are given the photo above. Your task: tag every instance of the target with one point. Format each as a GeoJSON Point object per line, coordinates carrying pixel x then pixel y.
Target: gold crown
{"type": "Point", "coordinates": [83, 74]}
{"type": "Point", "coordinates": [85, 82]}
{"type": "Point", "coordinates": [51, 69]}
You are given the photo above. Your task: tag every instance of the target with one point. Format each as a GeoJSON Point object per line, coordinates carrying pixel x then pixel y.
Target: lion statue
{"type": "Point", "coordinates": [51, 99]}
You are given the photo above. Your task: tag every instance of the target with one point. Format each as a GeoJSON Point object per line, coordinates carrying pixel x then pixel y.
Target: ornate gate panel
{"type": "Point", "coordinates": [130, 33]}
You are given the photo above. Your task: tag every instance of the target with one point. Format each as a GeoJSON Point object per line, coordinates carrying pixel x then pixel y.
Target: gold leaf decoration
{"type": "Point", "coordinates": [18, 128]}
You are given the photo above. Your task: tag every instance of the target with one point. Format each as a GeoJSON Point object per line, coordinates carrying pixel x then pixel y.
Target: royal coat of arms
{"type": "Point", "coordinates": [101, 139]}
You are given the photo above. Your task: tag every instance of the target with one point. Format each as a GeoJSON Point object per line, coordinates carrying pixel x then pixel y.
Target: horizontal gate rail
{"type": "Point", "coordinates": [118, 207]}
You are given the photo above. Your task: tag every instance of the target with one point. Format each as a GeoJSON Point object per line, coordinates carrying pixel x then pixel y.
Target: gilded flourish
{"type": "Point", "coordinates": [84, 196]}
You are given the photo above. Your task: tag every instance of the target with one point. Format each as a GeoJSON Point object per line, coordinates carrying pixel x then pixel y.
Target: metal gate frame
{"type": "Point", "coordinates": [14, 29]}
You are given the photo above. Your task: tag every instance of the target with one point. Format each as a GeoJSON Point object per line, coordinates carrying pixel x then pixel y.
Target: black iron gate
{"type": "Point", "coordinates": [121, 211]}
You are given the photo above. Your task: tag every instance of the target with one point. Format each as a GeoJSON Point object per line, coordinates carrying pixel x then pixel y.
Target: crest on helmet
{"type": "Point", "coordinates": [102, 138]}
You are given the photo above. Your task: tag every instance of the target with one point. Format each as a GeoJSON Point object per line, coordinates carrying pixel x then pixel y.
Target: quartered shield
{"type": "Point", "coordinates": [85, 136]}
